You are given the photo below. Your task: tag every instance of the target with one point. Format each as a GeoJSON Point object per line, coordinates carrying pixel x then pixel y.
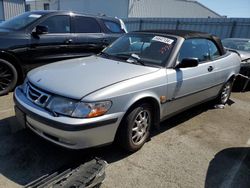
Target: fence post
{"type": "Point", "coordinates": [177, 24]}
{"type": "Point", "coordinates": [140, 24]}
{"type": "Point", "coordinates": [232, 29]}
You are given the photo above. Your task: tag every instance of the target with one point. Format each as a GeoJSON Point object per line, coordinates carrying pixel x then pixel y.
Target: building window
{"type": "Point", "coordinates": [27, 7]}
{"type": "Point", "coordinates": [46, 6]}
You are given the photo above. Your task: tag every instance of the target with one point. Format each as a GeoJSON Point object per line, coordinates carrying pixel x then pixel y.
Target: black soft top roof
{"type": "Point", "coordinates": [186, 34]}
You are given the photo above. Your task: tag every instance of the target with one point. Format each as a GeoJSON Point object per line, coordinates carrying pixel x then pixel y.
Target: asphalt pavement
{"type": "Point", "coordinates": [202, 147]}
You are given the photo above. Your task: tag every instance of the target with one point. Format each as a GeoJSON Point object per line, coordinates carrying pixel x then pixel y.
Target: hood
{"type": "Point", "coordinates": [4, 31]}
{"type": "Point", "coordinates": [76, 78]}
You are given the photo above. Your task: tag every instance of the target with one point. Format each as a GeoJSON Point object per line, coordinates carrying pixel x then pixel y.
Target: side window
{"type": "Point", "coordinates": [57, 24]}
{"type": "Point", "coordinates": [113, 27]}
{"type": "Point", "coordinates": [86, 25]}
{"type": "Point", "coordinates": [213, 50]}
{"type": "Point", "coordinates": [194, 48]}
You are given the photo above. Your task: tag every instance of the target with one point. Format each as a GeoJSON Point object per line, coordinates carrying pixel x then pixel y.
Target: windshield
{"type": "Point", "coordinates": [237, 44]}
{"type": "Point", "coordinates": [145, 49]}
{"type": "Point", "coordinates": [20, 21]}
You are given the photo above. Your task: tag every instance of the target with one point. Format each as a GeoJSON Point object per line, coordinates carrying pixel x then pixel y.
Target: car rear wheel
{"type": "Point", "coordinates": [135, 128]}
{"type": "Point", "coordinates": [225, 93]}
{"type": "Point", "coordinates": [8, 77]}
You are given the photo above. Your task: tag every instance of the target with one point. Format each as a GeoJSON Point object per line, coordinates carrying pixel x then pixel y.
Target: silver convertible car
{"type": "Point", "coordinates": [127, 90]}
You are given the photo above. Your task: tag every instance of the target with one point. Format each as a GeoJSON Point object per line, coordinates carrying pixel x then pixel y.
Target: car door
{"type": "Point", "coordinates": [189, 86]}
{"type": "Point", "coordinates": [89, 36]}
{"type": "Point", "coordinates": [54, 45]}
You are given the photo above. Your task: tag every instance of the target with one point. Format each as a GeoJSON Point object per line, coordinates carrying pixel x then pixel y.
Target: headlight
{"type": "Point", "coordinates": [62, 105]}
{"type": "Point", "coordinates": [77, 109]}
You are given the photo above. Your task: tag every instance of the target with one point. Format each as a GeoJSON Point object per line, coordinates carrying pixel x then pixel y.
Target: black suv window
{"type": "Point", "coordinates": [57, 24]}
{"type": "Point", "coordinates": [195, 48]}
{"type": "Point", "coordinates": [213, 50]}
{"type": "Point", "coordinates": [113, 26]}
{"type": "Point", "coordinates": [86, 25]}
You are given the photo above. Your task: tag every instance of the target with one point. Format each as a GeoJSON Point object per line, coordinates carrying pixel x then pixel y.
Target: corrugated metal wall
{"type": "Point", "coordinates": [13, 8]}
{"type": "Point", "coordinates": [113, 8]}
{"type": "Point", "coordinates": [168, 9]}
{"type": "Point", "coordinates": [222, 27]}
{"type": "Point", "coordinates": [1, 10]}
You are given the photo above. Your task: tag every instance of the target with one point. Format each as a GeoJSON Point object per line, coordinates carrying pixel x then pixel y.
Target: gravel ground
{"type": "Point", "coordinates": [202, 147]}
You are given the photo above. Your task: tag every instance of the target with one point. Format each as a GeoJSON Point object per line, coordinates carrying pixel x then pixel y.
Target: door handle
{"type": "Point", "coordinates": [210, 68]}
{"type": "Point", "coordinates": [68, 41]}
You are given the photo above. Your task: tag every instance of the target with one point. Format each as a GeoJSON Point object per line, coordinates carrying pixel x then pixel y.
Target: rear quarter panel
{"type": "Point", "coordinates": [227, 66]}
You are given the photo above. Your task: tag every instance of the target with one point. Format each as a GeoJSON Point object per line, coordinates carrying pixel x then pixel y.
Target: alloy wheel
{"type": "Point", "coordinates": [225, 94]}
{"type": "Point", "coordinates": [6, 76]}
{"type": "Point", "coordinates": [140, 127]}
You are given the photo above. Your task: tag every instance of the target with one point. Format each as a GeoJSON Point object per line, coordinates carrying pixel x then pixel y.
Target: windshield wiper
{"type": "Point", "coordinates": [131, 58]}
{"type": "Point", "coordinates": [136, 58]}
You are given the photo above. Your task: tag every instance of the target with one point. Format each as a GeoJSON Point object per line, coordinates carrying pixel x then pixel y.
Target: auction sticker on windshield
{"type": "Point", "coordinates": [163, 39]}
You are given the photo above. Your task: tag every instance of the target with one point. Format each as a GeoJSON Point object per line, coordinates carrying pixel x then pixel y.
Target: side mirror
{"type": "Point", "coordinates": [40, 30]}
{"type": "Point", "coordinates": [188, 62]}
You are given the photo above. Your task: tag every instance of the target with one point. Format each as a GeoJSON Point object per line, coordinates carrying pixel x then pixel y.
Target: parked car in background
{"type": "Point", "coordinates": [242, 47]}
{"type": "Point", "coordinates": [121, 94]}
{"type": "Point", "coordinates": [37, 38]}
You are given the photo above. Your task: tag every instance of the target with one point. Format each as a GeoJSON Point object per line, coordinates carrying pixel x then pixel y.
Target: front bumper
{"type": "Point", "coordinates": [73, 133]}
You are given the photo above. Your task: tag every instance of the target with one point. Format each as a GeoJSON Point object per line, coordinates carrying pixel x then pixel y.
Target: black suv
{"type": "Point", "coordinates": [40, 37]}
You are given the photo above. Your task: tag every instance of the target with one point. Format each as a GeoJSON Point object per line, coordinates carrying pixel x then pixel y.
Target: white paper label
{"type": "Point", "coordinates": [35, 16]}
{"type": "Point", "coordinates": [163, 40]}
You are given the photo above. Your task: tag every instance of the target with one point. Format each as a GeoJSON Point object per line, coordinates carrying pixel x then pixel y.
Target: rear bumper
{"type": "Point", "coordinates": [68, 132]}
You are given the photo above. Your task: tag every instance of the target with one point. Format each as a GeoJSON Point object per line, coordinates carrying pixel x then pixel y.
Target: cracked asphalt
{"type": "Point", "coordinates": [202, 147]}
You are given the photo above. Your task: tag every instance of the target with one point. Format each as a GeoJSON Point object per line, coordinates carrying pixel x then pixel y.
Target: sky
{"type": "Point", "coordinates": [229, 8]}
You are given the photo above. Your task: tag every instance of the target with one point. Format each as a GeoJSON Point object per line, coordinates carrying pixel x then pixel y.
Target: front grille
{"type": "Point", "coordinates": [37, 96]}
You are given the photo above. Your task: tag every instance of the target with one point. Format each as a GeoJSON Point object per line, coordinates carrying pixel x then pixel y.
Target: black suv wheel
{"type": "Point", "coordinates": [8, 77]}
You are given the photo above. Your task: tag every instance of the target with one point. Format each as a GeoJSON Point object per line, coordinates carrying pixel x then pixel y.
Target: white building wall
{"type": "Point", "coordinates": [113, 8]}
{"type": "Point", "coordinates": [38, 4]}
{"type": "Point", "coordinates": [131, 8]}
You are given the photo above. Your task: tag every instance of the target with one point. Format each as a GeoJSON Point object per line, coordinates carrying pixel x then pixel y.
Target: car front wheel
{"type": "Point", "coordinates": [8, 77]}
{"type": "Point", "coordinates": [135, 128]}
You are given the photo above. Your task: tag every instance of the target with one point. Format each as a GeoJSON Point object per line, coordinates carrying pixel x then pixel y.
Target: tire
{"type": "Point", "coordinates": [225, 93]}
{"type": "Point", "coordinates": [135, 128]}
{"type": "Point", "coordinates": [8, 77]}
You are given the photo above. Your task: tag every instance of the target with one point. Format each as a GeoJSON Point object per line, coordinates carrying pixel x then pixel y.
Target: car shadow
{"type": "Point", "coordinates": [25, 156]}
{"type": "Point", "coordinates": [229, 168]}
